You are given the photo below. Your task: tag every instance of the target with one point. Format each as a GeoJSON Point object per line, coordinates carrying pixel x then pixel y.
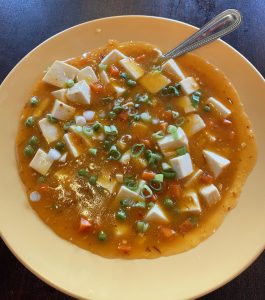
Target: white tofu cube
{"type": "Point", "coordinates": [104, 77]}
{"type": "Point", "coordinates": [79, 93]}
{"type": "Point", "coordinates": [154, 81]}
{"type": "Point", "coordinates": [132, 68]}
{"type": "Point", "coordinates": [125, 158]}
{"type": "Point", "coordinates": [80, 120]}
{"type": "Point", "coordinates": [87, 74]}
{"type": "Point", "coordinates": [54, 154]}
{"type": "Point", "coordinates": [156, 214]}
{"type": "Point", "coordinates": [41, 162]}
{"type": "Point", "coordinates": [169, 142]}
{"type": "Point", "coordinates": [89, 115]}
{"type": "Point", "coordinates": [182, 165]}
{"type": "Point", "coordinates": [119, 90]}
{"type": "Point", "coordinates": [111, 58]}
{"type": "Point", "coordinates": [172, 68]}
{"type": "Point", "coordinates": [50, 131]}
{"type": "Point", "coordinates": [210, 194]}
{"type": "Point", "coordinates": [219, 107]}
{"type": "Point", "coordinates": [59, 73]}
{"type": "Point", "coordinates": [63, 157]}
{"type": "Point", "coordinates": [193, 124]}
{"type": "Point", "coordinates": [71, 144]}
{"type": "Point", "coordinates": [185, 103]}
{"type": "Point", "coordinates": [190, 203]}
{"type": "Point", "coordinates": [60, 94]}
{"type": "Point", "coordinates": [125, 193]}
{"type": "Point", "coordinates": [216, 162]}
{"type": "Point", "coordinates": [107, 183]}
{"type": "Point", "coordinates": [194, 178]}
{"type": "Point", "coordinates": [189, 85]}
{"type": "Point", "coordinates": [62, 111]}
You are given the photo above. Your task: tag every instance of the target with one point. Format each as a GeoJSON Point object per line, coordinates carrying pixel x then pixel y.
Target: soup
{"type": "Point", "coordinates": [130, 156]}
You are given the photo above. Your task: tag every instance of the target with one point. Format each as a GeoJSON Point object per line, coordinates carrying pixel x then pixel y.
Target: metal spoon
{"type": "Point", "coordinates": [221, 25]}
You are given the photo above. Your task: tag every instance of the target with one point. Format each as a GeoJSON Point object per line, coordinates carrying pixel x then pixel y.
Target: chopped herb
{"type": "Point", "coordinates": [207, 108]}
{"type": "Point", "coordinates": [166, 166]}
{"type": "Point", "coordinates": [145, 116]}
{"type": "Point", "coordinates": [51, 119]}
{"type": "Point", "coordinates": [131, 82]}
{"type": "Point", "coordinates": [112, 115]}
{"type": "Point", "coordinates": [111, 130]}
{"type": "Point", "coordinates": [137, 150]}
{"type": "Point", "coordinates": [29, 150]}
{"type": "Point", "coordinates": [173, 130]}
{"type": "Point", "coordinates": [127, 203]}
{"type": "Point", "coordinates": [96, 126]}
{"type": "Point", "coordinates": [159, 177]}
{"type": "Point", "coordinates": [156, 185]}
{"type": "Point", "coordinates": [82, 173]}
{"type": "Point", "coordinates": [92, 179]}
{"type": "Point", "coordinates": [158, 135]}
{"type": "Point", "coordinates": [157, 69]}
{"type": "Point", "coordinates": [114, 153]}
{"type": "Point", "coordinates": [34, 101]}
{"type": "Point", "coordinates": [171, 90]}
{"type": "Point", "coordinates": [152, 157]}
{"type": "Point", "coordinates": [140, 204]}
{"type": "Point", "coordinates": [68, 124]}
{"type": "Point", "coordinates": [69, 83]}
{"type": "Point", "coordinates": [175, 114]}
{"type": "Point", "coordinates": [142, 226]}
{"type": "Point", "coordinates": [93, 151]}
{"type": "Point", "coordinates": [195, 99]}
{"type": "Point", "coordinates": [169, 203]}
{"type": "Point", "coordinates": [180, 121]}
{"type": "Point", "coordinates": [146, 192]}
{"type": "Point", "coordinates": [59, 146]}
{"type": "Point", "coordinates": [181, 151]}
{"type": "Point", "coordinates": [169, 174]}
{"type": "Point", "coordinates": [142, 98]}
{"type": "Point", "coordinates": [30, 122]}
{"type": "Point", "coordinates": [131, 183]}
{"type": "Point", "coordinates": [121, 215]}
{"type": "Point", "coordinates": [137, 117]}
{"type": "Point", "coordinates": [102, 236]}
{"type": "Point", "coordinates": [41, 179]}
{"type": "Point", "coordinates": [33, 141]}
{"type": "Point", "coordinates": [88, 131]}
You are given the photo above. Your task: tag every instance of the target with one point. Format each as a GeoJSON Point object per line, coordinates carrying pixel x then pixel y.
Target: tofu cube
{"type": "Point", "coordinates": [169, 142]}
{"type": "Point", "coordinates": [79, 93]}
{"type": "Point", "coordinates": [219, 107]}
{"type": "Point", "coordinates": [63, 157]}
{"type": "Point", "coordinates": [50, 131]}
{"type": "Point", "coordinates": [172, 68]}
{"type": "Point", "coordinates": [59, 73]}
{"type": "Point", "coordinates": [54, 154]}
{"type": "Point", "coordinates": [87, 74]}
{"type": "Point", "coordinates": [194, 178]}
{"type": "Point", "coordinates": [80, 120]}
{"type": "Point", "coordinates": [185, 103]}
{"type": "Point", "coordinates": [190, 203]}
{"type": "Point", "coordinates": [210, 194]}
{"type": "Point", "coordinates": [111, 58]}
{"type": "Point", "coordinates": [71, 144]}
{"type": "Point", "coordinates": [154, 81]}
{"type": "Point", "coordinates": [125, 158]}
{"type": "Point", "coordinates": [107, 183]}
{"type": "Point", "coordinates": [60, 94]}
{"type": "Point", "coordinates": [216, 162]}
{"type": "Point", "coordinates": [156, 214]}
{"type": "Point", "coordinates": [125, 193]}
{"type": "Point", "coordinates": [104, 77]}
{"type": "Point", "coordinates": [193, 124]}
{"type": "Point", "coordinates": [182, 165]}
{"type": "Point", "coordinates": [189, 85]}
{"type": "Point", "coordinates": [41, 162]}
{"type": "Point", "coordinates": [62, 111]}
{"type": "Point", "coordinates": [132, 68]}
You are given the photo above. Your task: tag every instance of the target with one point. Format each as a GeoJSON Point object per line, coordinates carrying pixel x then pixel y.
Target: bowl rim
{"type": "Point", "coordinates": [32, 269]}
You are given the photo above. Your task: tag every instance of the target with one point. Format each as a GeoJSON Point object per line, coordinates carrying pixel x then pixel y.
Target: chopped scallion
{"type": "Point", "coordinates": [142, 226]}
{"type": "Point", "coordinates": [51, 119]}
{"type": "Point", "coordinates": [33, 141]}
{"type": "Point", "coordinates": [59, 146]}
{"type": "Point", "coordinates": [156, 185]}
{"type": "Point", "coordinates": [30, 122]}
{"type": "Point", "coordinates": [159, 177]}
{"type": "Point", "coordinates": [195, 99]}
{"type": "Point", "coordinates": [207, 108]}
{"type": "Point", "coordinates": [34, 101]}
{"type": "Point", "coordinates": [169, 174]}
{"type": "Point", "coordinates": [158, 135]}
{"type": "Point", "coordinates": [121, 215]}
{"type": "Point", "coordinates": [181, 151]}
{"type": "Point", "coordinates": [114, 153]}
{"type": "Point", "coordinates": [146, 192]}
{"type": "Point", "coordinates": [93, 151]}
{"type": "Point", "coordinates": [131, 82]}
{"type": "Point", "coordinates": [29, 150]}
{"type": "Point", "coordinates": [137, 150]}
{"type": "Point", "coordinates": [169, 203]}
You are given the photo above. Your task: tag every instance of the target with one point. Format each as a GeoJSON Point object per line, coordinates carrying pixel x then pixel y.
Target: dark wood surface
{"type": "Point", "coordinates": [26, 23]}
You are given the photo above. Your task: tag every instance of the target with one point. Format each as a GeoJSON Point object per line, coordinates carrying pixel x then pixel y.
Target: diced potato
{"type": "Point", "coordinates": [87, 74]}
{"type": "Point", "coordinates": [210, 194]}
{"type": "Point", "coordinates": [189, 85]}
{"type": "Point", "coordinates": [154, 81]}
{"type": "Point", "coordinates": [139, 130]}
{"type": "Point", "coordinates": [216, 162]}
{"type": "Point", "coordinates": [194, 177]}
{"type": "Point", "coordinates": [156, 214]}
{"type": "Point", "coordinates": [185, 103]}
{"type": "Point", "coordinates": [62, 111]}
{"type": "Point", "coordinates": [132, 68]}
{"type": "Point", "coordinates": [219, 107]}
{"type": "Point", "coordinates": [108, 183]}
{"type": "Point", "coordinates": [59, 73]}
{"type": "Point", "coordinates": [50, 131]}
{"type": "Point", "coordinates": [71, 144]}
{"type": "Point", "coordinates": [172, 68]}
{"type": "Point", "coordinates": [104, 77]}
{"type": "Point", "coordinates": [79, 93]}
{"type": "Point", "coordinates": [125, 193]}
{"type": "Point", "coordinates": [190, 203]}
{"type": "Point", "coordinates": [193, 124]}
{"type": "Point", "coordinates": [41, 162]}
{"type": "Point", "coordinates": [59, 94]}
{"type": "Point", "coordinates": [111, 58]}
{"type": "Point", "coordinates": [169, 142]}
{"type": "Point", "coordinates": [182, 165]}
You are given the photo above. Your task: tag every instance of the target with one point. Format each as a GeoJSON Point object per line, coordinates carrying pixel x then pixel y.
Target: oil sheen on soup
{"type": "Point", "coordinates": [131, 156]}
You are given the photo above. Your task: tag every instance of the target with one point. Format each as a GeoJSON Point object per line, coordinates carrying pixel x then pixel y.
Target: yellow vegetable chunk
{"type": "Point", "coordinates": [154, 81]}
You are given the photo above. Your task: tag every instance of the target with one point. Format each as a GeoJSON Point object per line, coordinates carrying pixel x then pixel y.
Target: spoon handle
{"type": "Point", "coordinates": [222, 24]}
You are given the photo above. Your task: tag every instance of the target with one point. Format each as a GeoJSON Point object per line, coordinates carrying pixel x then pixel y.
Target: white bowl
{"type": "Point", "coordinates": [234, 246]}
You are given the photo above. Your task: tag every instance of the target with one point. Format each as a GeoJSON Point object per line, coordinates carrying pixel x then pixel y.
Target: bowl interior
{"type": "Point", "coordinates": [84, 275]}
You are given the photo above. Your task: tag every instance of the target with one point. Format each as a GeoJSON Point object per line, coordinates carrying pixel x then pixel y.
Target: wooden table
{"type": "Point", "coordinates": [25, 24]}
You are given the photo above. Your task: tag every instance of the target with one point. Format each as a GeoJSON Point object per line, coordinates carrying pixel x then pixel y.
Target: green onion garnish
{"type": "Point", "coordinates": [181, 151]}
{"type": "Point", "coordinates": [168, 203]}
{"type": "Point", "coordinates": [114, 153]}
{"type": "Point", "coordinates": [142, 226]}
{"type": "Point", "coordinates": [159, 177]}
{"type": "Point", "coordinates": [112, 115]}
{"type": "Point", "coordinates": [158, 135]}
{"type": "Point", "coordinates": [180, 121]}
{"type": "Point", "coordinates": [93, 151]}
{"type": "Point", "coordinates": [102, 236]}
{"type": "Point", "coordinates": [131, 183]}
{"type": "Point", "coordinates": [195, 98]}
{"type": "Point", "coordinates": [140, 204]}
{"type": "Point", "coordinates": [152, 157]}
{"type": "Point", "coordinates": [30, 122]}
{"type": "Point", "coordinates": [69, 83]}
{"type": "Point", "coordinates": [96, 126]}
{"type": "Point", "coordinates": [68, 124]}
{"type": "Point", "coordinates": [141, 98]}
{"type": "Point", "coordinates": [156, 185]}
{"type": "Point", "coordinates": [59, 146]}
{"type": "Point", "coordinates": [146, 192]}
{"type": "Point", "coordinates": [131, 82]}
{"type": "Point", "coordinates": [29, 150]}
{"type": "Point", "coordinates": [137, 150]}
{"type": "Point", "coordinates": [121, 214]}
{"type": "Point", "coordinates": [169, 174]}
{"type": "Point", "coordinates": [88, 131]}
{"type": "Point", "coordinates": [51, 119]}
{"type": "Point", "coordinates": [127, 203]}
{"type": "Point", "coordinates": [102, 67]}
{"type": "Point", "coordinates": [166, 166]}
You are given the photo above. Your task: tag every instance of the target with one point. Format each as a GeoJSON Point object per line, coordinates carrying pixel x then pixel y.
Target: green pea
{"type": "Point", "coordinates": [121, 215]}
{"type": "Point", "coordinates": [83, 173]}
{"type": "Point", "coordinates": [30, 122]}
{"type": "Point", "coordinates": [29, 150]}
{"type": "Point", "coordinates": [207, 108]}
{"type": "Point", "coordinates": [33, 141]}
{"type": "Point", "coordinates": [169, 203]}
{"type": "Point", "coordinates": [96, 126]}
{"type": "Point", "coordinates": [34, 101]}
{"type": "Point", "coordinates": [102, 236]}
{"type": "Point", "coordinates": [131, 82]}
{"type": "Point", "coordinates": [41, 179]}
{"type": "Point", "coordinates": [93, 179]}
{"type": "Point", "coordinates": [59, 146]}
{"type": "Point", "coordinates": [69, 83]}
{"type": "Point", "coordinates": [125, 76]}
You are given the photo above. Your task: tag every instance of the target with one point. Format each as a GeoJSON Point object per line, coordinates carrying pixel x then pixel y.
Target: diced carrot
{"type": "Point", "coordinates": [84, 225]}
{"type": "Point", "coordinates": [96, 87]}
{"type": "Point", "coordinates": [206, 178]}
{"type": "Point", "coordinates": [146, 142]}
{"type": "Point", "coordinates": [175, 190]}
{"type": "Point", "coordinates": [185, 226]}
{"type": "Point", "coordinates": [148, 175]}
{"type": "Point", "coordinates": [167, 232]}
{"type": "Point", "coordinates": [124, 248]}
{"type": "Point", "coordinates": [163, 126]}
{"type": "Point", "coordinates": [167, 115]}
{"type": "Point", "coordinates": [124, 115]}
{"type": "Point", "coordinates": [226, 122]}
{"type": "Point", "coordinates": [114, 71]}
{"type": "Point", "coordinates": [140, 58]}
